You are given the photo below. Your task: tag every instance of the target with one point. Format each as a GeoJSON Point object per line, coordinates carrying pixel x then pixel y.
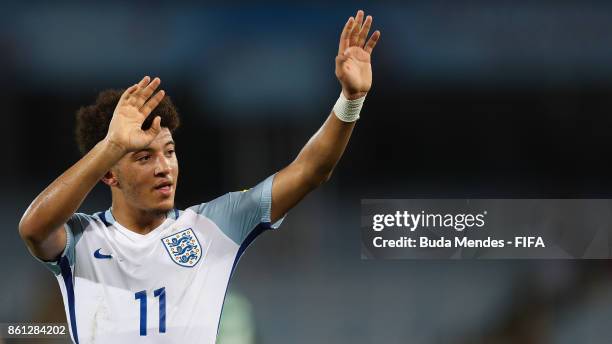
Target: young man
{"type": "Point", "coordinates": [143, 271]}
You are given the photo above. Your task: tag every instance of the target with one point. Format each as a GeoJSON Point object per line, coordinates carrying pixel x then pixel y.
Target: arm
{"type": "Point", "coordinates": [316, 161]}
{"type": "Point", "coordinates": [41, 226]}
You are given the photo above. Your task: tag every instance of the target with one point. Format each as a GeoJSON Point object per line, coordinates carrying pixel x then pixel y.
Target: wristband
{"type": "Point", "coordinates": [348, 110]}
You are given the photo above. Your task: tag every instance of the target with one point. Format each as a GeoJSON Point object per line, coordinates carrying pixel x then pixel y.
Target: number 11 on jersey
{"type": "Point", "coordinates": [142, 296]}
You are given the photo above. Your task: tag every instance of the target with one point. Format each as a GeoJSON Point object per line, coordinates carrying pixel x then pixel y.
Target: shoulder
{"type": "Point", "coordinates": [81, 221]}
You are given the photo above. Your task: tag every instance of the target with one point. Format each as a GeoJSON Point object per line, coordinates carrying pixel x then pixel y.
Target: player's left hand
{"type": "Point", "coordinates": [353, 68]}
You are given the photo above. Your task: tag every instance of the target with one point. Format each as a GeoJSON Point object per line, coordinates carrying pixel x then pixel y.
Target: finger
{"type": "Point", "coordinates": [132, 89]}
{"type": "Point", "coordinates": [356, 28]}
{"type": "Point", "coordinates": [359, 18]}
{"type": "Point", "coordinates": [155, 126]}
{"type": "Point", "coordinates": [133, 96]}
{"type": "Point", "coordinates": [145, 93]}
{"type": "Point", "coordinates": [372, 42]}
{"type": "Point", "coordinates": [142, 83]}
{"type": "Point", "coordinates": [365, 29]}
{"type": "Point", "coordinates": [128, 92]}
{"type": "Point", "coordinates": [345, 36]}
{"type": "Point", "coordinates": [152, 103]}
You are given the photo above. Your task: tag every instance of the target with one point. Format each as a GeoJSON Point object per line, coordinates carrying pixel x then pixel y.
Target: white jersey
{"type": "Point", "coordinates": [167, 286]}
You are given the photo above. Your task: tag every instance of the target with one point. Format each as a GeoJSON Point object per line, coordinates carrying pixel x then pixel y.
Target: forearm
{"type": "Point", "coordinates": [54, 205]}
{"type": "Point", "coordinates": [316, 161]}
{"type": "Point", "coordinates": [313, 165]}
{"type": "Point", "coordinates": [321, 154]}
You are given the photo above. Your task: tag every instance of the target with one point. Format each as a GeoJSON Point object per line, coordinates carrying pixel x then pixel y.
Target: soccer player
{"type": "Point", "coordinates": [143, 271]}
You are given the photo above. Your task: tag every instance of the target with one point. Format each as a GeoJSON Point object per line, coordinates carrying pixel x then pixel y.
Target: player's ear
{"type": "Point", "coordinates": [110, 179]}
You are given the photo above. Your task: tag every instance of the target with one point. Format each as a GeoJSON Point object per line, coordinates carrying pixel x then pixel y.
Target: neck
{"type": "Point", "coordinates": [137, 220]}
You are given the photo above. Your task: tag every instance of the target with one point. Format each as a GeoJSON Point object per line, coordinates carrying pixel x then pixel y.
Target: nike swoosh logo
{"type": "Point", "coordinates": [99, 255]}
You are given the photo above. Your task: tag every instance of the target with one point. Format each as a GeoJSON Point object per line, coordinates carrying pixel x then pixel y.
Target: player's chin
{"type": "Point", "coordinates": [163, 200]}
{"type": "Point", "coordinates": [164, 205]}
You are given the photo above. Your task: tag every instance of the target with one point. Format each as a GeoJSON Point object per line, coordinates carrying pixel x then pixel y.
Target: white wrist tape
{"type": "Point", "coordinates": [348, 110]}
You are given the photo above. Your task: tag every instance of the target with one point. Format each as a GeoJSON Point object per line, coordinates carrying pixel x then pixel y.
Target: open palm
{"type": "Point", "coordinates": [133, 108]}
{"type": "Point", "coordinates": [353, 67]}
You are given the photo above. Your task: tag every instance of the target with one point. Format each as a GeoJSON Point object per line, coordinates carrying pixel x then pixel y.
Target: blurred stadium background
{"type": "Point", "coordinates": [490, 99]}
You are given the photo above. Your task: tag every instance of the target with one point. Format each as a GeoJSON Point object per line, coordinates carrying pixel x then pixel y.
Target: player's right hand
{"type": "Point", "coordinates": [134, 106]}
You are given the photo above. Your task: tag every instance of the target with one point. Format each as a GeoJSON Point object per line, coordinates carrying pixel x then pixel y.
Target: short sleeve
{"type": "Point", "coordinates": [237, 214]}
{"type": "Point", "coordinates": [74, 228]}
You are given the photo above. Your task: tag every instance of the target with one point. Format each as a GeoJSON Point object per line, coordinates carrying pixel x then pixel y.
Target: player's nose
{"type": "Point", "coordinates": [162, 166]}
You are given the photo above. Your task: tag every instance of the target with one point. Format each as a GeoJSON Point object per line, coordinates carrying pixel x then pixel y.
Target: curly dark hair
{"type": "Point", "coordinates": [92, 121]}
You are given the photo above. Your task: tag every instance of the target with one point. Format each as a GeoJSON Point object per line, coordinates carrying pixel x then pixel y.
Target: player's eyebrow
{"type": "Point", "coordinates": [171, 142]}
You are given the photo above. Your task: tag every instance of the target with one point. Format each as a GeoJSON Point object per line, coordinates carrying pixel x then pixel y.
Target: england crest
{"type": "Point", "coordinates": [183, 247]}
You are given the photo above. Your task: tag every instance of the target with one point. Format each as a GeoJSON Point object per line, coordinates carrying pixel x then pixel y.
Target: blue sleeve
{"type": "Point", "coordinates": [74, 228]}
{"type": "Point", "coordinates": [237, 214]}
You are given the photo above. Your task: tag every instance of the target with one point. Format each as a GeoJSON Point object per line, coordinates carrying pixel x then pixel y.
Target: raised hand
{"type": "Point", "coordinates": [134, 106]}
{"type": "Point", "coordinates": [353, 68]}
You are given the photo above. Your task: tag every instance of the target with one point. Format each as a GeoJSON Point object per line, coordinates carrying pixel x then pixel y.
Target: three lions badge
{"type": "Point", "coordinates": [183, 247]}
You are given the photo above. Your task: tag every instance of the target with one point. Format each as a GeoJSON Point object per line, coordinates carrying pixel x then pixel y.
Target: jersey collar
{"type": "Point", "coordinates": [108, 218]}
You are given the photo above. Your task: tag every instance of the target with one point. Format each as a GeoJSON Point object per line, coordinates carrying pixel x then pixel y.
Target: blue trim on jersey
{"type": "Point", "coordinates": [261, 227]}
{"type": "Point", "coordinates": [67, 275]}
{"type": "Point", "coordinates": [102, 217]}
{"type": "Point", "coordinates": [176, 213]}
